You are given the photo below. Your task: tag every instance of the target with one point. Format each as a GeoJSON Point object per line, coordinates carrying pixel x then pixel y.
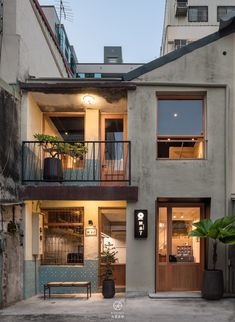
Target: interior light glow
{"type": "Point", "coordinates": [88, 99]}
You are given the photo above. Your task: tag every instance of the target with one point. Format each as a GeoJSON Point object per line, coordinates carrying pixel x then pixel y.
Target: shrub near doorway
{"type": "Point", "coordinates": [221, 230]}
{"type": "Point", "coordinates": [108, 257]}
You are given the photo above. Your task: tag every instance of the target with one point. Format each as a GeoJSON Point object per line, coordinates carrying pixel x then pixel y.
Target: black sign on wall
{"type": "Point", "coordinates": [141, 224]}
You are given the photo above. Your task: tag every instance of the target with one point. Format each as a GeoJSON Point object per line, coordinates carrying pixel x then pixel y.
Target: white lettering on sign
{"type": "Point", "coordinates": [140, 218]}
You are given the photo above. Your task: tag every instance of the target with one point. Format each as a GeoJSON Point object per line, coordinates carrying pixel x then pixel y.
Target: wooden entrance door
{"type": "Point", "coordinates": [113, 149]}
{"type": "Point", "coordinates": [180, 259]}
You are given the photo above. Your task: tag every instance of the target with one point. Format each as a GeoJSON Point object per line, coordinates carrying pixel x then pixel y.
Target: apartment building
{"type": "Point", "coordinates": [159, 155]}
{"type": "Point", "coordinates": [188, 20]}
{"type": "Point", "coordinates": [113, 65]}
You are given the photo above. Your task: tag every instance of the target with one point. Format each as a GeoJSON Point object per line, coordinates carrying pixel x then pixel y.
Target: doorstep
{"type": "Point", "coordinates": [175, 295]}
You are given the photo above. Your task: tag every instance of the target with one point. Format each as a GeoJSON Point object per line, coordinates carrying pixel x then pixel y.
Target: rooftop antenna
{"type": "Point", "coordinates": [64, 10]}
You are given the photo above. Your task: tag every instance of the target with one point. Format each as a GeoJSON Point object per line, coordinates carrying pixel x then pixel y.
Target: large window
{"type": "Point", "coordinates": [198, 14]}
{"type": "Point", "coordinates": [224, 10]}
{"type": "Point", "coordinates": [180, 128]}
{"type": "Point", "coordinates": [63, 236]}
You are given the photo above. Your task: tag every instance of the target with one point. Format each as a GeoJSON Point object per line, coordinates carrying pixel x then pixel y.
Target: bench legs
{"type": "Point", "coordinates": [48, 287]}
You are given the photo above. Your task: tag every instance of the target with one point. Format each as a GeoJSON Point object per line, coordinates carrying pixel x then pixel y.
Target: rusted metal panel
{"type": "Point", "coordinates": [52, 192]}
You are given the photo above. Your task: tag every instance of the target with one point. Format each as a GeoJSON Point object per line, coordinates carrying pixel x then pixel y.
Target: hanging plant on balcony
{"type": "Point", "coordinates": [52, 146]}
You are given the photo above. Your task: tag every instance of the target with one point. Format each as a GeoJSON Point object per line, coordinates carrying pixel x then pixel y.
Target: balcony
{"type": "Point", "coordinates": [101, 163]}
{"type": "Point", "coordinates": [181, 8]}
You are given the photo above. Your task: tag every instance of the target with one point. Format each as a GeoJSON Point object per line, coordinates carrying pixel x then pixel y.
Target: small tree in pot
{"type": "Point", "coordinates": [108, 257]}
{"type": "Point", "coordinates": [221, 230]}
{"type": "Point", "coordinates": [52, 169]}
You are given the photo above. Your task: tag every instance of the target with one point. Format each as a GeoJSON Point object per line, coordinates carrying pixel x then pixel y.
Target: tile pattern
{"type": "Point", "coordinates": [89, 272]}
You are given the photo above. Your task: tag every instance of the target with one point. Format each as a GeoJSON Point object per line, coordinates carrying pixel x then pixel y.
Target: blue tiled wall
{"type": "Point", "coordinates": [30, 287]}
{"type": "Point", "coordinates": [88, 272]}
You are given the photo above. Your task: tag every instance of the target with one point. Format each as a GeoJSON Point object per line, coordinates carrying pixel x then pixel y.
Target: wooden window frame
{"type": "Point", "coordinates": [204, 128]}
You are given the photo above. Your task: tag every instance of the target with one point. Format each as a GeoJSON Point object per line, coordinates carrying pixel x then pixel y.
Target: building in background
{"type": "Point", "coordinates": [188, 20]}
{"type": "Point", "coordinates": [113, 66]}
{"type": "Point", "coordinates": [60, 33]}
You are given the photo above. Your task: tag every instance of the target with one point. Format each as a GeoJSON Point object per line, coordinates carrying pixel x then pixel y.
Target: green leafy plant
{"type": "Point", "coordinates": [53, 146]}
{"type": "Point", "coordinates": [108, 257]}
{"type": "Point", "coordinates": [221, 230]}
{"type": "Point", "coordinates": [12, 227]}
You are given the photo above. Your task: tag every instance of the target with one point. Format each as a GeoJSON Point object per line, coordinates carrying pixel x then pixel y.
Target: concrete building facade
{"type": "Point", "coordinates": [146, 175]}
{"type": "Point", "coordinates": [188, 20]}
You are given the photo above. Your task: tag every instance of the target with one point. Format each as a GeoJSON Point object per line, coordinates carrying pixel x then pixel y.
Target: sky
{"type": "Point", "coordinates": [136, 25]}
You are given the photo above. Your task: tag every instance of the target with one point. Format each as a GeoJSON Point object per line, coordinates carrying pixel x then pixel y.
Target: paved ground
{"type": "Point", "coordinates": [139, 309]}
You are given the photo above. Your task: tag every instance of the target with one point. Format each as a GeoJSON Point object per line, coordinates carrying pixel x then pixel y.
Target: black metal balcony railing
{"type": "Point", "coordinates": [102, 161]}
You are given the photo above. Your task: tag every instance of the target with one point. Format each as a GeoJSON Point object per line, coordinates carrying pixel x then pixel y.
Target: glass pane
{"type": "Point", "coordinates": [114, 132]}
{"type": "Point", "coordinates": [180, 117]}
{"type": "Point", "coordinates": [162, 235]}
{"type": "Point", "coordinates": [70, 128]}
{"type": "Point", "coordinates": [180, 148]}
{"type": "Point", "coordinates": [184, 248]}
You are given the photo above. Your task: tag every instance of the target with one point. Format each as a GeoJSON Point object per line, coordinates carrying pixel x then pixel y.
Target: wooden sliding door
{"type": "Point", "coordinates": [180, 259]}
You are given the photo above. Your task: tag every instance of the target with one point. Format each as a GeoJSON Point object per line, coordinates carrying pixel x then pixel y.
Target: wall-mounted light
{"type": "Point", "coordinates": [90, 222]}
{"type": "Point", "coordinates": [175, 114]}
{"type": "Point", "coordinates": [88, 99]}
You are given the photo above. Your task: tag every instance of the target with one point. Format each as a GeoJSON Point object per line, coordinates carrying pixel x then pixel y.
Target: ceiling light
{"type": "Point", "coordinates": [175, 114]}
{"type": "Point", "coordinates": [88, 99]}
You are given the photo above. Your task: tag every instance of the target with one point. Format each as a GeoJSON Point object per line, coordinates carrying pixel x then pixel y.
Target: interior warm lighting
{"type": "Point", "coordinates": [174, 216]}
{"type": "Point", "coordinates": [161, 225]}
{"type": "Point", "coordinates": [193, 139]}
{"type": "Point", "coordinates": [168, 139]}
{"type": "Point", "coordinates": [181, 216]}
{"type": "Point", "coordinates": [66, 133]}
{"type": "Point", "coordinates": [88, 99]}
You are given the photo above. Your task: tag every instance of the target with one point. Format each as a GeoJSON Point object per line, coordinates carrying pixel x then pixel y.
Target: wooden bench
{"type": "Point", "coordinates": [49, 285]}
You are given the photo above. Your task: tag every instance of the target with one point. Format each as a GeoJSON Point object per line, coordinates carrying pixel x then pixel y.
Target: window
{"type": "Point", "coordinates": [198, 14]}
{"type": "Point", "coordinates": [71, 129]}
{"type": "Point", "coordinates": [180, 128]}
{"type": "Point", "coordinates": [63, 236]}
{"type": "Point", "coordinates": [223, 11]}
{"type": "Point", "coordinates": [179, 43]}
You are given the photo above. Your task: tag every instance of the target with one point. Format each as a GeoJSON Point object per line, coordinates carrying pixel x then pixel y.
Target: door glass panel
{"type": "Point", "coordinates": [114, 151]}
{"type": "Point", "coordinates": [162, 234]}
{"type": "Point", "coordinates": [184, 248]}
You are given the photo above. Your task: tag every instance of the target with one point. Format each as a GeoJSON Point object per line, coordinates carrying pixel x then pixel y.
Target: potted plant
{"type": "Point", "coordinates": [52, 169]}
{"type": "Point", "coordinates": [221, 230]}
{"type": "Point", "coordinates": [108, 257]}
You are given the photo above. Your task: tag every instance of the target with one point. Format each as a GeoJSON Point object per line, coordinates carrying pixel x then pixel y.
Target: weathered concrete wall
{"type": "Point", "coordinates": [11, 256]}
{"type": "Point", "coordinates": [9, 146]}
{"type": "Point", "coordinates": [11, 259]}
{"type": "Point", "coordinates": [179, 178]}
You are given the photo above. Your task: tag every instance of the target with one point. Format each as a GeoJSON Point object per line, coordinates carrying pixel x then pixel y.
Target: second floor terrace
{"type": "Point", "coordinates": [75, 134]}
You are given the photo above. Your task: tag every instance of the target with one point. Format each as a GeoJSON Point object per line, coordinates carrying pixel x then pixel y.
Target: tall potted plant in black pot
{"type": "Point", "coordinates": [221, 230]}
{"type": "Point", "coordinates": [54, 148]}
{"type": "Point", "coordinates": [108, 257]}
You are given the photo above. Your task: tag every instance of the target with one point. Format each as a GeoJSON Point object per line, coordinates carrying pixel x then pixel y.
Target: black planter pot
{"type": "Point", "coordinates": [52, 170]}
{"type": "Point", "coordinates": [108, 289]}
{"type": "Point", "coordinates": [213, 285]}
